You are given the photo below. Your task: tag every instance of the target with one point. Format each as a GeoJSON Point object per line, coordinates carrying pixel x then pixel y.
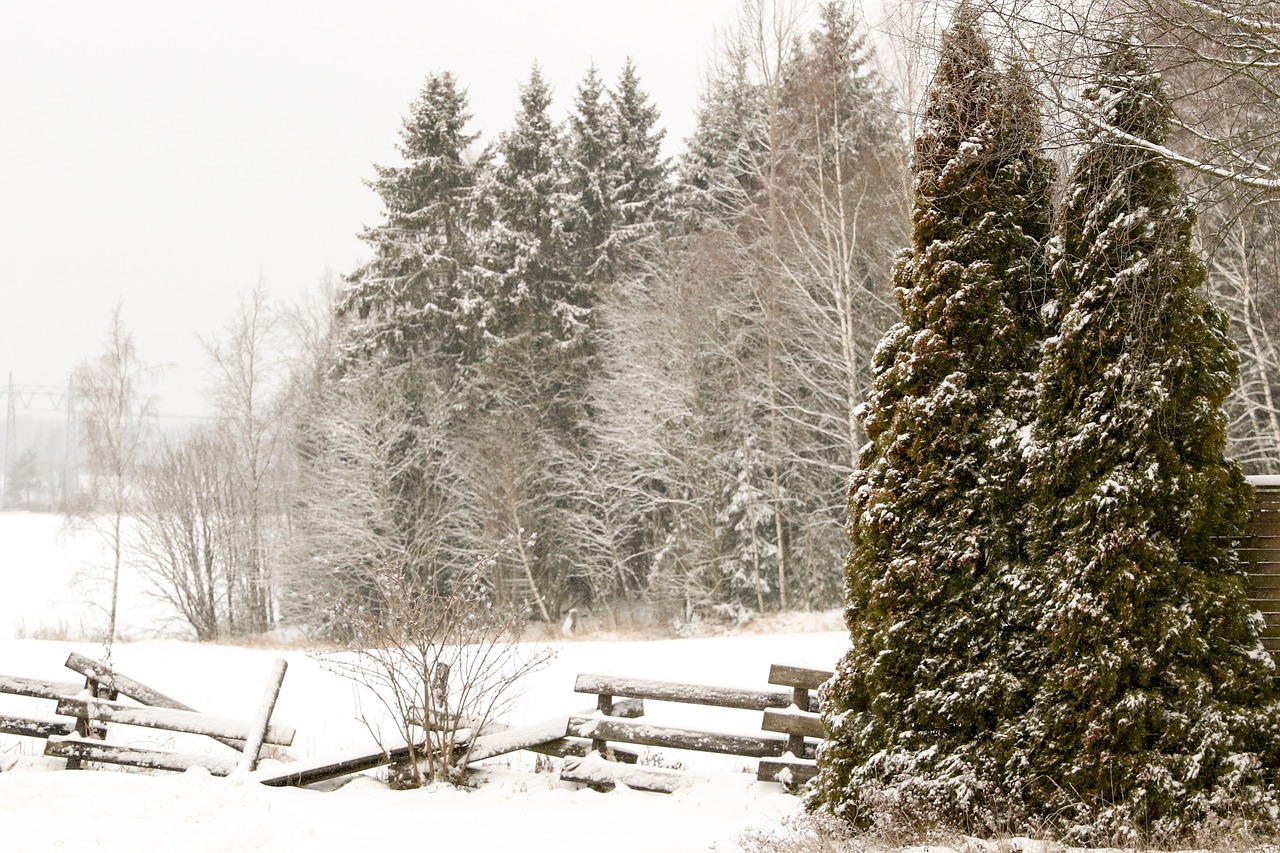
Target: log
{"type": "Point", "coordinates": [794, 722]}
{"type": "Point", "coordinates": [610, 729]}
{"type": "Point", "coordinates": [134, 689]}
{"type": "Point", "coordinates": [170, 719]}
{"type": "Point", "coordinates": [522, 737]}
{"type": "Point", "coordinates": [693, 694]}
{"type": "Point", "coordinates": [322, 769]}
{"type": "Point", "coordinates": [38, 688]}
{"type": "Point", "coordinates": [83, 749]}
{"type": "Point", "coordinates": [261, 722]}
{"type": "Point", "coordinates": [572, 747]}
{"type": "Point", "coordinates": [33, 727]}
{"type": "Point", "coordinates": [605, 775]}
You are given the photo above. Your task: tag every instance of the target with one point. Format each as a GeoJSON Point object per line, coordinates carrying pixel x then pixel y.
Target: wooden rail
{"type": "Point", "coordinates": [799, 722]}
{"type": "Point", "coordinates": [88, 708]}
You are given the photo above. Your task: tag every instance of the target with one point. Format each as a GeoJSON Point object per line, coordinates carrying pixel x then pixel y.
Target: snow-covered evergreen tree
{"type": "Point", "coordinates": [639, 192]}
{"type": "Point", "coordinates": [617, 179]}
{"type": "Point", "coordinates": [590, 175]}
{"type": "Point", "coordinates": [1156, 713]}
{"type": "Point", "coordinates": [406, 301]}
{"type": "Point", "coordinates": [921, 706]}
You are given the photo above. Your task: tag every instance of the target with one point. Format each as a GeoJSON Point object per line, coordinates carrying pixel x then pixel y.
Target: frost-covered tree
{"type": "Point", "coordinates": [920, 707]}
{"type": "Point", "coordinates": [1155, 713]}
{"type": "Point", "coordinates": [531, 296]}
{"type": "Point", "coordinates": [414, 295]}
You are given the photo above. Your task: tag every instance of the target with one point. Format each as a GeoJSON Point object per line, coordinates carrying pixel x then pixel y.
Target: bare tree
{"type": "Point", "coordinates": [249, 380]}
{"type": "Point", "coordinates": [115, 416]}
{"type": "Point", "coordinates": [187, 525]}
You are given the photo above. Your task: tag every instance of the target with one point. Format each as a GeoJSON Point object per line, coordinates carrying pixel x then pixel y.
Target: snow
{"type": "Point", "coordinates": [517, 804]}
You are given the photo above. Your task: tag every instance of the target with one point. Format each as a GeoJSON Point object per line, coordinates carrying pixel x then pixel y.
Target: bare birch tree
{"type": "Point", "coordinates": [115, 415]}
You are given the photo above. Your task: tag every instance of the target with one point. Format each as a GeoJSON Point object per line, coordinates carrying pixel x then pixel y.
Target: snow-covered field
{"type": "Point", "coordinates": [516, 805]}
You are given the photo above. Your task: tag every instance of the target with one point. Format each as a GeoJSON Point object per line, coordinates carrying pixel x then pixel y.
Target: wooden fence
{"type": "Point", "coordinates": [785, 747]}
{"type": "Point", "coordinates": [86, 707]}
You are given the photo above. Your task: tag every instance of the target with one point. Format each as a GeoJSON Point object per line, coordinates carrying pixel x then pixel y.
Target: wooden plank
{"type": "Point", "coordinates": [791, 773]}
{"type": "Point", "coordinates": [322, 769]}
{"type": "Point", "coordinates": [81, 749]}
{"type": "Point", "coordinates": [511, 740]}
{"type": "Point", "coordinates": [39, 688]}
{"type": "Point", "coordinates": [34, 727]}
{"type": "Point", "coordinates": [694, 694]}
{"type": "Point", "coordinates": [793, 722]}
{"type": "Point", "coordinates": [1263, 525]}
{"type": "Point", "coordinates": [606, 775]}
{"type": "Point", "coordinates": [262, 721]}
{"type": "Point", "coordinates": [170, 719]}
{"type": "Point", "coordinates": [798, 676]}
{"type": "Point", "coordinates": [643, 734]}
{"type": "Point", "coordinates": [572, 747]}
{"type": "Point", "coordinates": [1264, 580]}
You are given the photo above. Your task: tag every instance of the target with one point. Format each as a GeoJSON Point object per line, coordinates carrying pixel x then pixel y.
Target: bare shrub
{"type": "Point", "coordinates": [442, 659]}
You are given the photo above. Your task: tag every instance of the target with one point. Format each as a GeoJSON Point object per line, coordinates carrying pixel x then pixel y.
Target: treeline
{"type": "Point", "coordinates": [594, 376]}
{"type": "Point", "coordinates": [629, 379]}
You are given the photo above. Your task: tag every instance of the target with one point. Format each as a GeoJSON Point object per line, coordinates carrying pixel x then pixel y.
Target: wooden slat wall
{"type": "Point", "coordinates": [1259, 550]}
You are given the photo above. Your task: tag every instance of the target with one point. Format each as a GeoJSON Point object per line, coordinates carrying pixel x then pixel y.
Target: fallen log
{"type": "Point", "coordinates": [322, 769]}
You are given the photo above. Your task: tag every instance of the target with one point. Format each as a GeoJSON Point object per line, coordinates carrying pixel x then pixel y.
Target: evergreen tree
{"type": "Point", "coordinates": [717, 173]}
{"type": "Point", "coordinates": [617, 178]}
{"type": "Point", "coordinates": [921, 708]}
{"type": "Point", "coordinates": [407, 300]}
{"type": "Point", "coordinates": [1155, 713]}
{"type": "Point", "coordinates": [639, 192]}
{"type": "Point", "coordinates": [532, 301]}
{"type": "Point", "coordinates": [589, 166]}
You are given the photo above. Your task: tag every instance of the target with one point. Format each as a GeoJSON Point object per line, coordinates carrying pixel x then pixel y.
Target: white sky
{"type": "Point", "coordinates": [168, 154]}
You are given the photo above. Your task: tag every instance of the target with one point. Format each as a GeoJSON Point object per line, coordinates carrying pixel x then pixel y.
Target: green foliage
{"type": "Point", "coordinates": [412, 297]}
{"type": "Point", "coordinates": [920, 708]}
{"type": "Point", "coordinates": [1155, 713]}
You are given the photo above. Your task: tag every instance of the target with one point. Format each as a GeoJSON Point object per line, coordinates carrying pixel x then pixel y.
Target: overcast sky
{"type": "Point", "coordinates": [167, 154]}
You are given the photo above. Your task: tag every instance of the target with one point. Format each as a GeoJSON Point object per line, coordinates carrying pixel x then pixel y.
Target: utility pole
{"type": "Point", "coordinates": [10, 441]}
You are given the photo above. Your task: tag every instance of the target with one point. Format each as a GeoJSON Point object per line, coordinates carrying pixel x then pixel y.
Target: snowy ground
{"type": "Point", "coordinates": [46, 808]}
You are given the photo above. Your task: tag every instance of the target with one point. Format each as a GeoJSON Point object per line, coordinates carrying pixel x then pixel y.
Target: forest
{"type": "Point", "coordinates": [576, 374]}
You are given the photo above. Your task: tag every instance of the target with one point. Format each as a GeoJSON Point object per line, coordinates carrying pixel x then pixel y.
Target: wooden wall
{"type": "Point", "coordinates": [1260, 552]}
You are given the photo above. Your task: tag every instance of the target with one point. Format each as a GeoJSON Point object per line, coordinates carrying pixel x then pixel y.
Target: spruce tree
{"type": "Point", "coordinates": [1155, 713]}
{"type": "Point", "coordinates": [590, 177]}
{"type": "Point", "coordinates": [639, 192]}
{"type": "Point", "coordinates": [406, 300]}
{"type": "Point", "coordinates": [532, 301]}
{"type": "Point", "coordinates": [921, 708]}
